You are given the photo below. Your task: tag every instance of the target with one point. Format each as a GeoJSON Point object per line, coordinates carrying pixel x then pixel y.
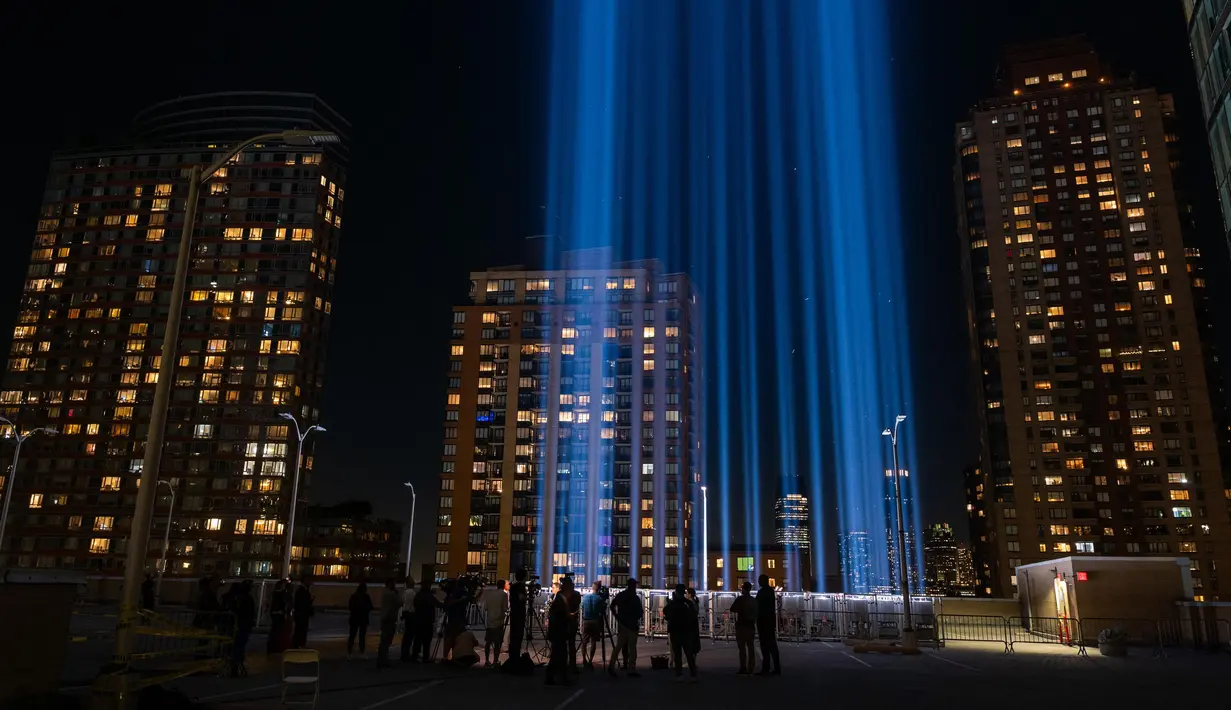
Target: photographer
{"type": "Point", "coordinates": [593, 617]}
{"type": "Point", "coordinates": [456, 606]}
{"type": "Point", "coordinates": [628, 613]}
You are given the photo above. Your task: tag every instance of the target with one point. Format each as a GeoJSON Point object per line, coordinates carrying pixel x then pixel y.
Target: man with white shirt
{"type": "Point", "coordinates": [496, 604]}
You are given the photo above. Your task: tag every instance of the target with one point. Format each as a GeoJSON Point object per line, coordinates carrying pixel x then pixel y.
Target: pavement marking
{"type": "Point", "coordinates": [570, 699]}
{"type": "Point", "coordinates": [857, 659]}
{"type": "Point", "coordinates": [239, 692]}
{"type": "Point", "coordinates": [828, 644]}
{"type": "Point", "coordinates": [407, 694]}
{"type": "Point", "coordinates": [946, 660]}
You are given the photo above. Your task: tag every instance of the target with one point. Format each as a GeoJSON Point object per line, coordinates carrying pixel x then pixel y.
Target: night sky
{"type": "Point", "coordinates": [446, 101]}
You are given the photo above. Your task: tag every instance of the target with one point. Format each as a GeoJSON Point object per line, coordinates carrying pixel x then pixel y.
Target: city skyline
{"type": "Point", "coordinates": [380, 478]}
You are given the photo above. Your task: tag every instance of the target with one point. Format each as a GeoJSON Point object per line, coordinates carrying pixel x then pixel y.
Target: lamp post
{"type": "Point", "coordinates": [908, 630]}
{"type": "Point", "coordinates": [705, 538]}
{"type": "Point", "coordinates": [9, 488]}
{"type": "Point", "coordinates": [301, 434]}
{"type": "Point", "coordinates": [138, 543]}
{"type": "Point", "coordinates": [166, 543]}
{"type": "Point", "coordinates": [410, 534]}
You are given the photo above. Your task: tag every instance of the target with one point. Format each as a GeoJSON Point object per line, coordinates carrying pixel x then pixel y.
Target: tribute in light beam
{"type": "Point", "coordinates": [749, 145]}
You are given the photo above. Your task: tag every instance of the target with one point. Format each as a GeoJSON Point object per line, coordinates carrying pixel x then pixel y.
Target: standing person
{"type": "Point", "coordinates": [456, 604]}
{"type": "Point", "coordinates": [744, 611]}
{"type": "Point", "coordinates": [593, 618]}
{"type": "Point", "coordinates": [628, 613]}
{"type": "Point", "coordinates": [425, 619]}
{"type": "Point", "coordinates": [683, 632]}
{"type": "Point", "coordinates": [278, 628]}
{"type": "Point", "coordinates": [147, 594]}
{"type": "Point", "coordinates": [360, 608]}
{"type": "Point", "coordinates": [517, 614]}
{"type": "Point", "coordinates": [559, 628]}
{"type": "Point", "coordinates": [573, 597]}
{"type": "Point", "coordinates": [767, 626]}
{"type": "Point", "coordinates": [390, 607]}
{"type": "Point", "coordinates": [408, 618]}
{"type": "Point", "coordinates": [243, 606]}
{"type": "Point", "coordinates": [496, 611]}
{"type": "Point", "coordinates": [302, 610]}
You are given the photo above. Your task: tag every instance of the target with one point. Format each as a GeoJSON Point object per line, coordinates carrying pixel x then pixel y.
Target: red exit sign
{"type": "Point", "coordinates": [1083, 576]}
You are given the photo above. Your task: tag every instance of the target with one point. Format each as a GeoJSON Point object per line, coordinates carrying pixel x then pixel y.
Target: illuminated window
{"type": "Point", "coordinates": [1079, 73]}
{"type": "Point", "coordinates": [100, 545]}
{"type": "Point", "coordinates": [36, 500]}
{"type": "Point", "coordinates": [104, 523]}
{"type": "Point", "coordinates": [1032, 80]}
{"type": "Point", "coordinates": [1056, 77]}
{"type": "Point", "coordinates": [458, 350]}
{"type": "Point", "coordinates": [647, 332]}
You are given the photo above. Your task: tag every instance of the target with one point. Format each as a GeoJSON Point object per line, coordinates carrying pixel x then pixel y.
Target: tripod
{"type": "Point", "coordinates": [534, 618]}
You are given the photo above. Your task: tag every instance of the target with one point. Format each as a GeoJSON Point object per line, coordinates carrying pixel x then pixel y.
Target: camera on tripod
{"type": "Point", "coordinates": [469, 585]}
{"type": "Point", "coordinates": [533, 586]}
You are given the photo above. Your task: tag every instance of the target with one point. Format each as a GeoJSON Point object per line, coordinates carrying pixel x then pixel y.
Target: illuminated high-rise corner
{"type": "Point", "coordinates": [1088, 311]}
{"type": "Point", "coordinates": [791, 521]}
{"type": "Point", "coordinates": [85, 350]}
{"type": "Point", "coordinates": [572, 425]}
{"type": "Point", "coordinates": [1210, 34]}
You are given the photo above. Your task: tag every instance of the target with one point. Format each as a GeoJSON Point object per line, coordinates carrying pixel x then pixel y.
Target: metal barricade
{"type": "Point", "coordinates": [1044, 630]}
{"type": "Point", "coordinates": [1139, 633]}
{"type": "Point", "coordinates": [971, 628]}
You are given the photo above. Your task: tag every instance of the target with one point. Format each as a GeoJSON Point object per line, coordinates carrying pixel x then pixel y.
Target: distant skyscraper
{"type": "Point", "coordinates": [1090, 321]}
{"type": "Point", "coordinates": [891, 584]}
{"type": "Point", "coordinates": [858, 573]}
{"type": "Point", "coordinates": [791, 521]}
{"type": "Point", "coordinates": [940, 560]}
{"type": "Point", "coordinates": [256, 319]}
{"type": "Point", "coordinates": [572, 424]}
{"type": "Point", "coordinates": [1211, 47]}
{"type": "Point", "coordinates": [966, 580]}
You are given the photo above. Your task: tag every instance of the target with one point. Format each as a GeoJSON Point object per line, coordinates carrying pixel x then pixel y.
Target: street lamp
{"type": "Point", "coordinates": [410, 536]}
{"type": "Point", "coordinates": [705, 538]}
{"type": "Point", "coordinates": [9, 488]}
{"type": "Point", "coordinates": [138, 543]}
{"type": "Point", "coordinates": [166, 542]}
{"type": "Point", "coordinates": [908, 630]}
{"type": "Point", "coordinates": [290, 527]}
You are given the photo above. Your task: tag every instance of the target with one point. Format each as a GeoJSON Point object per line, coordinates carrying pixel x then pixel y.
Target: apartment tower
{"type": "Point", "coordinates": [573, 425]}
{"type": "Point", "coordinates": [1089, 317]}
{"type": "Point", "coordinates": [85, 351]}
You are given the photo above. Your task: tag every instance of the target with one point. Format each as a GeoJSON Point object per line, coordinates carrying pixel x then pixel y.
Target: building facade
{"type": "Point", "coordinates": [85, 351]}
{"type": "Point", "coordinates": [346, 542]}
{"type": "Point", "coordinates": [859, 574]}
{"type": "Point", "coordinates": [1089, 317]}
{"type": "Point", "coordinates": [940, 560]}
{"type": "Point", "coordinates": [788, 567]}
{"type": "Point", "coordinates": [573, 425]}
{"type": "Point", "coordinates": [791, 521]}
{"type": "Point", "coordinates": [1208, 23]}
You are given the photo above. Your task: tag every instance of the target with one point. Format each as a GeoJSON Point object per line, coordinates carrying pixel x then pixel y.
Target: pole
{"type": "Point", "coordinates": [8, 495]}
{"type": "Point", "coordinates": [166, 544]}
{"type": "Point", "coordinates": [138, 541]}
{"type": "Point", "coordinates": [907, 626]}
{"type": "Point", "coordinates": [410, 534]}
{"type": "Point", "coordinates": [705, 539]}
{"type": "Point", "coordinates": [290, 527]}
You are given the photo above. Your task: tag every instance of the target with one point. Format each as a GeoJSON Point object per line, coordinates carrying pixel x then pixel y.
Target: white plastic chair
{"type": "Point", "coordinates": [301, 657]}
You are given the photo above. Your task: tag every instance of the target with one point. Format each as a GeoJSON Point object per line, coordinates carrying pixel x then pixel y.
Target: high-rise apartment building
{"type": "Point", "coordinates": [572, 424]}
{"type": "Point", "coordinates": [791, 521]}
{"type": "Point", "coordinates": [85, 352]}
{"type": "Point", "coordinates": [1088, 311]}
{"type": "Point", "coordinates": [1208, 24]}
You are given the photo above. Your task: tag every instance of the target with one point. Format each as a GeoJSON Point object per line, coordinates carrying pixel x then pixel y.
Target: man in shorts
{"type": "Point", "coordinates": [593, 621]}
{"type": "Point", "coordinates": [496, 604]}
